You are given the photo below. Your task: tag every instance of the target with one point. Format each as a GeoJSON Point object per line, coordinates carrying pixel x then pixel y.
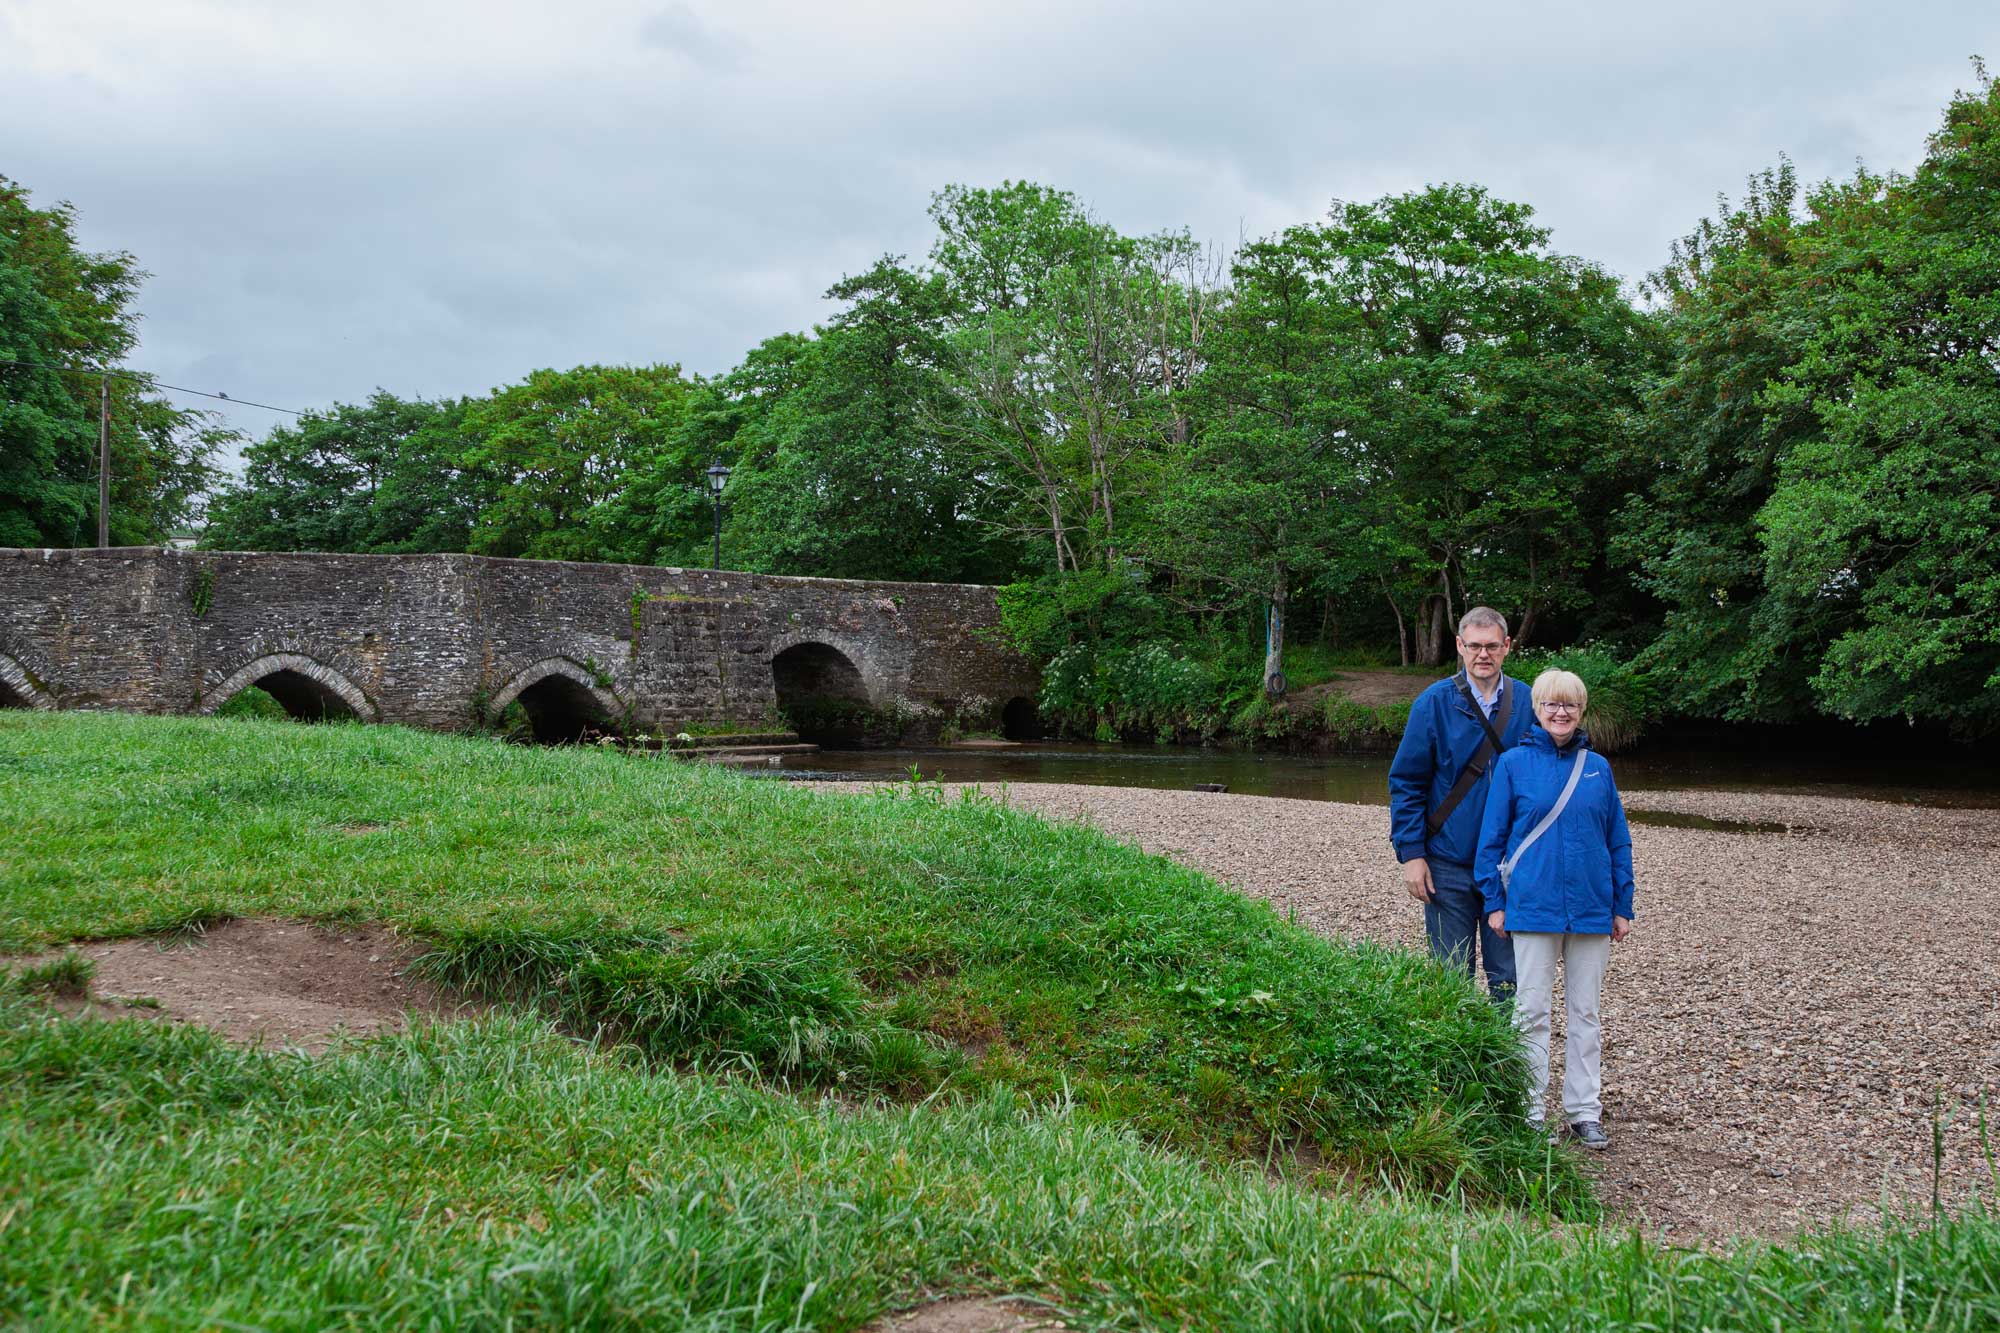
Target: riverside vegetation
{"type": "Point", "coordinates": [781, 1059]}
{"type": "Point", "coordinates": [1762, 473]}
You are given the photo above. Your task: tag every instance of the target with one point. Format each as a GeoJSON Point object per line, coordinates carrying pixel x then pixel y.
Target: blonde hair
{"type": "Point", "coordinates": [1563, 687]}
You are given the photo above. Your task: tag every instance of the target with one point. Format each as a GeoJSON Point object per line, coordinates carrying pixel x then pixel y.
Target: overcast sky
{"type": "Point", "coordinates": [437, 198]}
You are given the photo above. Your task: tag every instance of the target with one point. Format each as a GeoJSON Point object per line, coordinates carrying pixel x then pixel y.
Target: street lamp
{"type": "Point", "coordinates": [718, 477]}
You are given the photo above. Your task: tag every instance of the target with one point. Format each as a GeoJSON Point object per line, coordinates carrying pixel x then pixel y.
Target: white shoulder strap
{"type": "Point", "coordinates": [1575, 772]}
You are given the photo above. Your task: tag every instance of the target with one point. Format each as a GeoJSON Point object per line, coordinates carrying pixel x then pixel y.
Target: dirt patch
{"type": "Point", "coordinates": [1380, 689]}
{"type": "Point", "coordinates": [277, 983]}
{"type": "Point", "coordinates": [969, 1315]}
{"type": "Point", "coordinates": [1778, 1031]}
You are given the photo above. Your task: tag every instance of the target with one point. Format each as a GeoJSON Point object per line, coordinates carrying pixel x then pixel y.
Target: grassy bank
{"type": "Point", "coordinates": [499, 1175]}
{"type": "Point", "coordinates": [888, 944]}
{"type": "Point", "coordinates": [911, 1048]}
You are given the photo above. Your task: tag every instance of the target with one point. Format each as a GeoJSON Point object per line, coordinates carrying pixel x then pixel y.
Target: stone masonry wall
{"type": "Point", "coordinates": [431, 640]}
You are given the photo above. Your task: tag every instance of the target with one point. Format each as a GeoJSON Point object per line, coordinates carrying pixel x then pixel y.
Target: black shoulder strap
{"type": "Point", "coordinates": [1475, 767]}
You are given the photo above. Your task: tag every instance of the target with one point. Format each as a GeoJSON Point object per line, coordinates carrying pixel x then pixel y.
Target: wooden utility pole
{"type": "Point", "coordinates": [103, 462]}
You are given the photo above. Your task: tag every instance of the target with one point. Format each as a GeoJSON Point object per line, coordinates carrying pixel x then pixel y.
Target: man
{"type": "Point", "coordinates": [1437, 795]}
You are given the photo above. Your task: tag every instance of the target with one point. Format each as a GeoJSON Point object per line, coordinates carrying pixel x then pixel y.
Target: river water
{"type": "Point", "coordinates": [1919, 774]}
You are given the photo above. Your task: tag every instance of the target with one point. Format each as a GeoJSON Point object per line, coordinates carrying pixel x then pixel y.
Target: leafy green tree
{"type": "Point", "coordinates": [1821, 533]}
{"type": "Point", "coordinates": [1882, 521]}
{"type": "Point", "coordinates": [848, 472]}
{"type": "Point", "coordinates": [1416, 397]}
{"type": "Point", "coordinates": [1483, 387]}
{"type": "Point", "coordinates": [1070, 346]}
{"type": "Point", "coordinates": [61, 306]}
{"type": "Point", "coordinates": [559, 447]}
{"type": "Point", "coordinates": [378, 476]}
{"type": "Point", "coordinates": [1258, 498]}
{"type": "Point", "coordinates": [1726, 648]}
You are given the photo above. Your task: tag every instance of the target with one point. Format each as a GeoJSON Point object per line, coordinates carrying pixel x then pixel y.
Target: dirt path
{"type": "Point", "coordinates": [1776, 1030]}
{"type": "Point", "coordinates": [277, 983]}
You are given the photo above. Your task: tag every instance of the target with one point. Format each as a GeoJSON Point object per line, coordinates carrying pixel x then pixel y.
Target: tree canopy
{"type": "Point", "coordinates": [66, 326]}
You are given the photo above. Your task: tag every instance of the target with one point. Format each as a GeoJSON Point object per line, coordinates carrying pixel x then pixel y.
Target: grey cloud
{"type": "Point", "coordinates": [679, 29]}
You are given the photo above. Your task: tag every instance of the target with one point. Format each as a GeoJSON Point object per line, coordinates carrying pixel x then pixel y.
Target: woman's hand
{"type": "Point", "coordinates": [1498, 920]}
{"type": "Point", "coordinates": [1621, 926]}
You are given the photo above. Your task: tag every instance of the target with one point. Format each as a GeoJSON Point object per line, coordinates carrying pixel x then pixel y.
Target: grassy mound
{"type": "Point", "coordinates": [496, 1175]}
{"type": "Point", "coordinates": [892, 944]}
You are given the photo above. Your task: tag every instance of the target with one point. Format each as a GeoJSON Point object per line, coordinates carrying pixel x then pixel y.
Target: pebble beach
{"type": "Point", "coordinates": [1794, 1014]}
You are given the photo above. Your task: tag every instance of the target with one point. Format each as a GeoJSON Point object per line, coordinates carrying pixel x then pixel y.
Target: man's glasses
{"type": "Point", "coordinates": [1484, 649]}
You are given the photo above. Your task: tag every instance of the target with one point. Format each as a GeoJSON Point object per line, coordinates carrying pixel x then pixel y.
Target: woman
{"type": "Point", "coordinates": [1562, 889]}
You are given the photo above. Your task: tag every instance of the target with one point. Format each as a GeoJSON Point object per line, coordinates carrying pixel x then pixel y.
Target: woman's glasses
{"type": "Point", "coordinates": [1559, 706]}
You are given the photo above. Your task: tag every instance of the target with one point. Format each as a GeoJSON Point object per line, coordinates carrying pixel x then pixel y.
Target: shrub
{"type": "Point", "coordinates": [252, 702]}
{"type": "Point", "coordinates": [1623, 700]}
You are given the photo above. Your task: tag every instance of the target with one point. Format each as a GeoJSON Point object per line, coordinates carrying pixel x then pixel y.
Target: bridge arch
{"type": "Point", "coordinates": [562, 698]}
{"type": "Point", "coordinates": [823, 687]}
{"type": "Point", "coordinates": [306, 689]}
{"type": "Point", "coordinates": [1021, 719]}
{"type": "Point", "coordinates": [19, 688]}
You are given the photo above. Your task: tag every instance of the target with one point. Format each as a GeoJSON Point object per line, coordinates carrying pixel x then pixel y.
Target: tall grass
{"type": "Point", "coordinates": [497, 1175]}
{"type": "Point", "coordinates": [890, 943]}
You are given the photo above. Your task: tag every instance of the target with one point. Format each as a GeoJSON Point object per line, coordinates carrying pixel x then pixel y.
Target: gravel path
{"type": "Point", "coordinates": [1778, 1027]}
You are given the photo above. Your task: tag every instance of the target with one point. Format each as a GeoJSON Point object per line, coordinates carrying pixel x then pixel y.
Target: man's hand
{"type": "Point", "coordinates": [1621, 926]}
{"type": "Point", "coordinates": [1417, 878]}
{"type": "Point", "coordinates": [1498, 920]}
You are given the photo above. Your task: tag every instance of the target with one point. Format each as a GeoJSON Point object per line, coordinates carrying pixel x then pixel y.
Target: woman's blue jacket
{"type": "Point", "coordinates": [1578, 875]}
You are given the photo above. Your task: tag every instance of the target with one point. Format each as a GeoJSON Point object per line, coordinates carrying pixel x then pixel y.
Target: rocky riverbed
{"type": "Point", "coordinates": [1780, 1031]}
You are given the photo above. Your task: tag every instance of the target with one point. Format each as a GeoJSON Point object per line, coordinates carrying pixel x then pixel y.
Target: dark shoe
{"type": "Point", "coordinates": [1589, 1134]}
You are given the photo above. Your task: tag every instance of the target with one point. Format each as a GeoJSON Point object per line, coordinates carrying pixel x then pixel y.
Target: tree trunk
{"type": "Point", "coordinates": [1527, 626]}
{"type": "Point", "coordinates": [1432, 631]}
{"type": "Point", "coordinates": [1402, 629]}
{"type": "Point", "coordinates": [1274, 639]}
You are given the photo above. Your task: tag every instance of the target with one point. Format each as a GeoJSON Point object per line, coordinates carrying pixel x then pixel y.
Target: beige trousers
{"type": "Point", "coordinates": [1583, 959]}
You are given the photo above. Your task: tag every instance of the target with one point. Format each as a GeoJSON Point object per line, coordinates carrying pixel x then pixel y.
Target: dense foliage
{"type": "Point", "coordinates": [65, 316]}
{"type": "Point", "coordinates": [1764, 480]}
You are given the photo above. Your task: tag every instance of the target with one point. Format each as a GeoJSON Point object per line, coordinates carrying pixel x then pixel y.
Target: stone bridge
{"type": "Point", "coordinates": [449, 641]}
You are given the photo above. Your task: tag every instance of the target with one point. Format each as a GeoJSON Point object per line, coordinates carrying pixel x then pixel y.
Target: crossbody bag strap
{"type": "Point", "coordinates": [1482, 758]}
{"type": "Point", "coordinates": [1575, 772]}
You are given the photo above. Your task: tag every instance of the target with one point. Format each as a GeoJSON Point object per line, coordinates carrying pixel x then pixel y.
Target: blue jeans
{"type": "Point", "coordinates": [1455, 921]}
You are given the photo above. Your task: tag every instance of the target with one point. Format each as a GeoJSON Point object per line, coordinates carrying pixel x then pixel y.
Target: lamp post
{"type": "Point", "coordinates": [718, 477]}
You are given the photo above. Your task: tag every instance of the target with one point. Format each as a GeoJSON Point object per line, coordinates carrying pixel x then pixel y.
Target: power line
{"type": "Point", "coordinates": [149, 381]}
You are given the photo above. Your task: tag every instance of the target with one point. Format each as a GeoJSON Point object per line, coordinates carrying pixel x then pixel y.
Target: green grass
{"type": "Point", "coordinates": [500, 1175]}
{"type": "Point", "coordinates": [892, 944]}
{"type": "Point", "coordinates": [67, 975]}
{"type": "Point", "coordinates": [782, 1121]}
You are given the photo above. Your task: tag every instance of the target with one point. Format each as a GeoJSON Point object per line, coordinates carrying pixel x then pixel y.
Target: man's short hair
{"type": "Point", "coordinates": [1482, 615]}
{"type": "Point", "coordinates": [1564, 687]}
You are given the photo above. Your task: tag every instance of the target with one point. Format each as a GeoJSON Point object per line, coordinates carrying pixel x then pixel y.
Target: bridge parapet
{"type": "Point", "coordinates": [440, 641]}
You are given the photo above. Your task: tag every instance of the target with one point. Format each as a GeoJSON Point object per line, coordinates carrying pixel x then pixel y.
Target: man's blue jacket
{"type": "Point", "coordinates": [1578, 875]}
{"type": "Point", "coordinates": [1442, 736]}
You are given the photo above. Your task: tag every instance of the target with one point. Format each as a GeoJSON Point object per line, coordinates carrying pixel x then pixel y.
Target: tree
{"type": "Point", "coordinates": [558, 448]}
{"type": "Point", "coordinates": [379, 476]}
{"type": "Point", "coordinates": [1438, 403]}
{"type": "Point", "coordinates": [1071, 343]}
{"type": "Point", "coordinates": [846, 473]}
{"type": "Point", "coordinates": [1882, 525]}
{"type": "Point", "coordinates": [63, 307]}
{"type": "Point", "coordinates": [1822, 530]}
{"type": "Point", "coordinates": [1259, 497]}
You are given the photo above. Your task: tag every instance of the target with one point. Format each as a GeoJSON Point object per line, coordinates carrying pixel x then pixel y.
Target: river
{"type": "Point", "coordinates": [1921, 774]}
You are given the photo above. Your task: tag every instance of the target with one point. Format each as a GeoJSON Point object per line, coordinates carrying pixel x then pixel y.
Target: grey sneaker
{"type": "Point", "coordinates": [1591, 1135]}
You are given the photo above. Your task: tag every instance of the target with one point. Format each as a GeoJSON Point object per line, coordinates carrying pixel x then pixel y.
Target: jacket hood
{"type": "Point", "coordinates": [1538, 738]}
